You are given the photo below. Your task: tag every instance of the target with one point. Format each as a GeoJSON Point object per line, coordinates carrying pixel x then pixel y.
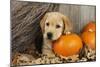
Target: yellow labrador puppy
{"type": "Point", "coordinates": [53, 25]}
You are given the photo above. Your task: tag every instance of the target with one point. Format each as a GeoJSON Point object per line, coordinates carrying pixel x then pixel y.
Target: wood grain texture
{"type": "Point", "coordinates": [80, 15]}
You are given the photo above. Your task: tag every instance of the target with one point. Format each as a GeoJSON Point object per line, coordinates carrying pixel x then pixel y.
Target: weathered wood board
{"type": "Point", "coordinates": [79, 15]}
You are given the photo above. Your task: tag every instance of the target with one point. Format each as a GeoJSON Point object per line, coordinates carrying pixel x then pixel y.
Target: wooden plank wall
{"type": "Point", "coordinates": [79, 15]}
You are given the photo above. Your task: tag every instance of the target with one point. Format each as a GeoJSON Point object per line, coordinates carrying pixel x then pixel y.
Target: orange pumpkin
{"type": "Point", "coordinates": [88, 38]}
{"type": "Point", "coordinates": [67, 45]}
{"type": "Point", "coordinates": [90, 26]}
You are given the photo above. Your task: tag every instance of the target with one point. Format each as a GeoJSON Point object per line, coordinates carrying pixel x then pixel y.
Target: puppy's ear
{"type": "Point", "coordinates": [42, 22]}
{"type": "Point", "coordinates": [67, 24]}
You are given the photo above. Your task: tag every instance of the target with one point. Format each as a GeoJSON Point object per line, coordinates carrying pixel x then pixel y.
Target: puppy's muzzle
{"type": "Point", "coordinates": [49, 35]}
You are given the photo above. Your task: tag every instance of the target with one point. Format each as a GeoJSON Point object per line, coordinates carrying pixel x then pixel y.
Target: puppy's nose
{"type": "Point", "coordinates": [49, 35]}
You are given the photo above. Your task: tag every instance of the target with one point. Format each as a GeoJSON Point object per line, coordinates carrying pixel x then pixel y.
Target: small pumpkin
{"type": "Point", "coordinates": [88, 38]}
{"type": "Point", "coordinates": [90, 26]}
{"type": "Point", "coordinates": [67, 45]}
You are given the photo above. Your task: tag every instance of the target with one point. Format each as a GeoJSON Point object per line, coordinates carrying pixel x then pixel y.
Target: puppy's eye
{"type": "Point", "coordinates": [58, 26]}
{"type": "Point", "coordinates": [47, 24]}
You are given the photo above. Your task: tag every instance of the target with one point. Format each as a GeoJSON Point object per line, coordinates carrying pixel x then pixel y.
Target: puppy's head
{"type": "Point", "coordinates": [54, 24]}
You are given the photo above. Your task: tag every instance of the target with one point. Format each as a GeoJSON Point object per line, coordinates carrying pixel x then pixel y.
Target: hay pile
{"type": "Point", "coordinates": [26, 59]}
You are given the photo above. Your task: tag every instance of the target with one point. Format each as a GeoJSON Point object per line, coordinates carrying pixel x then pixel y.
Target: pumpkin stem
{"type": "Point", "coordinates": [68, 32]}
{"type": "Point", "coordinates": [90, 30]}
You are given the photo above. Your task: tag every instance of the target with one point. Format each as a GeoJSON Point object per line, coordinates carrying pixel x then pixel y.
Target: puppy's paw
{"type": "Point", "coordinates": [48, 53]}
